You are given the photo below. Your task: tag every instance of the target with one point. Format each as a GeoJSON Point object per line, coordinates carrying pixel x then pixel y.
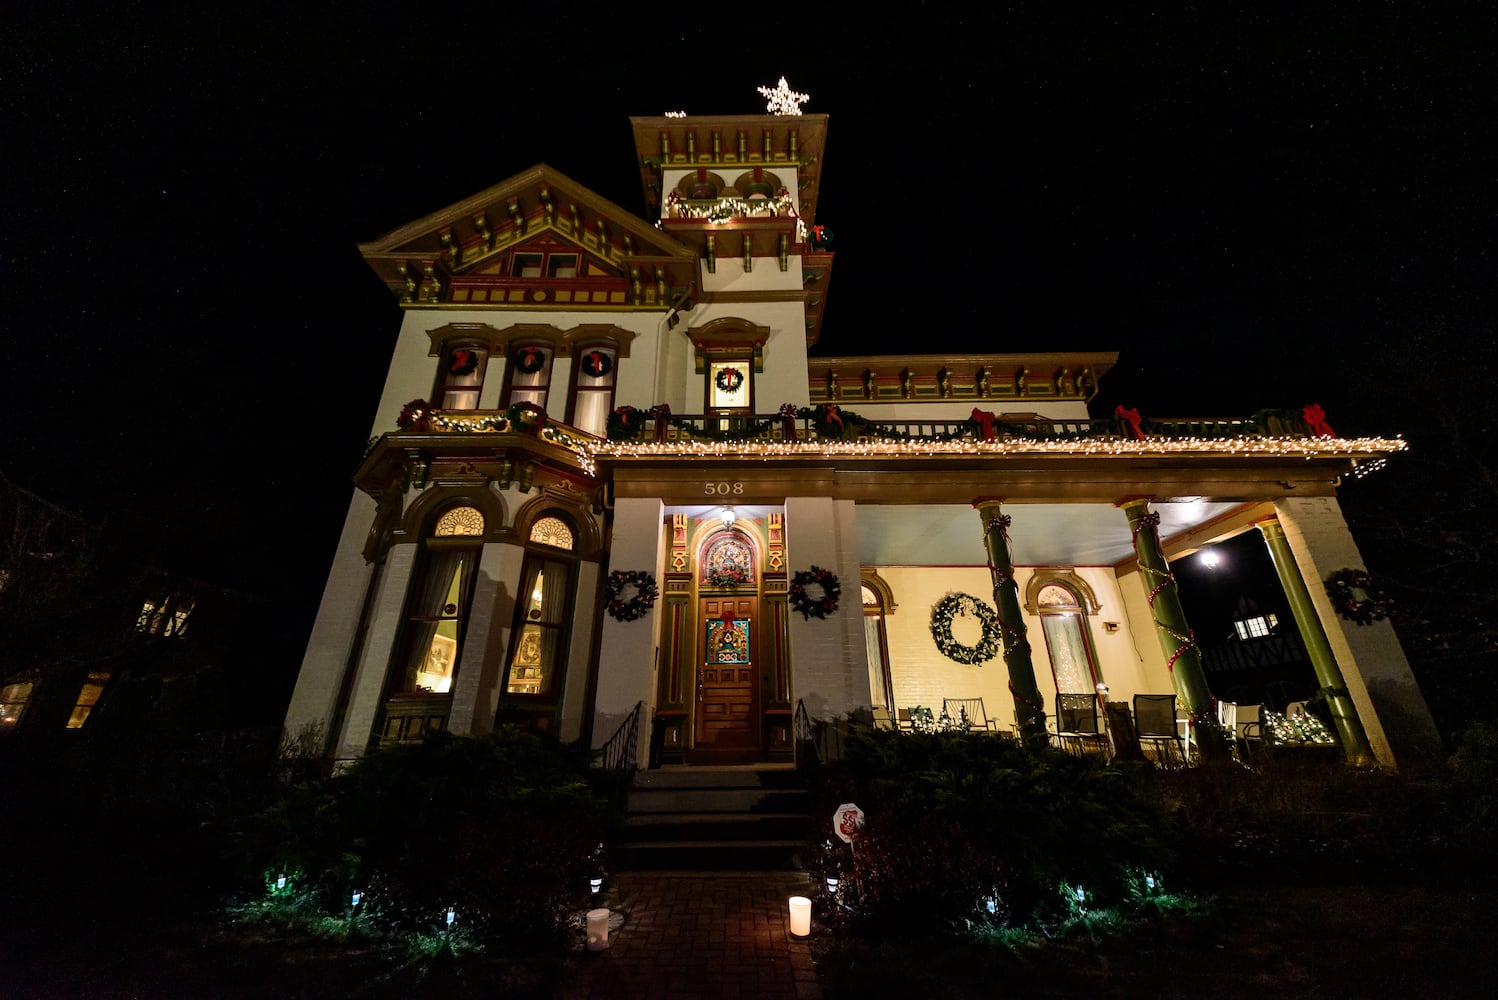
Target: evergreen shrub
{"type": "Point", "coordinates": [965, 830]}
{"type": "Point", "coordinates": [502, 828]}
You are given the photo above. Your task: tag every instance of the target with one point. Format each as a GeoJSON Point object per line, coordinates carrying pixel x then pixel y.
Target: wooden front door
{"type": "Point", "coordinates": [728, 723]}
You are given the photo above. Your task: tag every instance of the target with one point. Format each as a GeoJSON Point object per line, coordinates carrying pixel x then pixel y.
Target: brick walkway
{"type": "Point", "coordinates": [698, 936]}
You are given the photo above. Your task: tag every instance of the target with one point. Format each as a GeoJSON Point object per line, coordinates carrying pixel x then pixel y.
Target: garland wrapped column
{"type": "Point", "coordinates": [1344, 715]}
{"type": "Point", "coordinates": [1182, 657]}
{"type": "Point", "coordinates": [1029, 709]}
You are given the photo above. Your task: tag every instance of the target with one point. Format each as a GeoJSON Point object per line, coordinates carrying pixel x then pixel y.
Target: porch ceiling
{"type": "Point", "coordinates": [1041, 535]}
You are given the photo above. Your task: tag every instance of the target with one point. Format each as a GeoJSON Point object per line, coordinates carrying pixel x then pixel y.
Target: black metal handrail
{"type": "Point", "coordinates": [618, 754]}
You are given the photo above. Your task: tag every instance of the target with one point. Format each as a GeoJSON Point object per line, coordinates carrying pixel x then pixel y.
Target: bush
{"type": "Point", "coordinates": [503, 829]}
{"type": "Point", "coordinates": [965, 829]}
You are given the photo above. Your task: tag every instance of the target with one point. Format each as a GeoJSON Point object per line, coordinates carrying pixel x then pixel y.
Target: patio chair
{"type": "Point", "coordinates": [1155, 722]}
{"type": "Point", "coordinates": [903, 721]}
{"type": "Point", "coordinates": [972, 708]}
{"type": "Point", "coordinates": [1078, 728]}
{"type": "Point", "coordinates": [1249, 732]}
{"type": "Point", "coordinates": [882, 719]}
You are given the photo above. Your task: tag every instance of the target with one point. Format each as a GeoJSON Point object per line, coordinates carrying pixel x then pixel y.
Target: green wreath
{"type": "Point", "coordinates": [948, 609]}
{"type": "Point", "coordinates": [1356, 597]}
{"type": "Point", "coordinates": [803, 602]}
{"type": "Point", "coordinates": [627, 609]}
{"type": "Point", "coordinates": [728, 379]}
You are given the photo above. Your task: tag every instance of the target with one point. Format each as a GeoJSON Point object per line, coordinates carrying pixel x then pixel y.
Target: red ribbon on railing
{"type": "Point", "coordinates": [985, 421]}
{"type": "Point", "coordinates": [662, 414]}
{"type": "Point", "coordinates": [1316, 417]}
{"type": "Point", "coordinates": [1132, 418]}
{"type": "Point", "coordinates": [788, 421]}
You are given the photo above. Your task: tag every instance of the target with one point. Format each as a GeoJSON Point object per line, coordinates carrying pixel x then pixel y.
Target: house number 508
{"type": "Point", "coordinates": [722, 489]}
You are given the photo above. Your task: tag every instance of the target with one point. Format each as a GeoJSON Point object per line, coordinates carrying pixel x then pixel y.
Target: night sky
{"type": "Point", "coordinates": [1257, 210]}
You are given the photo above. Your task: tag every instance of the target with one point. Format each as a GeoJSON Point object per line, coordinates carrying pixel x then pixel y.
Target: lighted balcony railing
{"type": "Point", "coordinates": [722, 210]}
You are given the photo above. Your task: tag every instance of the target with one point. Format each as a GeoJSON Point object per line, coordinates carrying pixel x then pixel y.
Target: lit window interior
{"type": "Point", "coordinates": [13, 698]}
{"type": "Point", "coordinates": [552, 531]}
{"type": "Point", "coordinates": [1257, 627]}
{"type": "Point", "coordinates": [88, 697]}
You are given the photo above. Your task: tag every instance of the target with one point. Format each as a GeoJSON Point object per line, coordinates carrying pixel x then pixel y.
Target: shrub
{"type": "Point", "coordinates": [969, 828]}
{"type": "Point", "coordinates": [500, 828]}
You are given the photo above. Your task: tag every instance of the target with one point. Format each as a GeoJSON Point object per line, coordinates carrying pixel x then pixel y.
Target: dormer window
{"type": "Point", "coordinates": [533, 264]}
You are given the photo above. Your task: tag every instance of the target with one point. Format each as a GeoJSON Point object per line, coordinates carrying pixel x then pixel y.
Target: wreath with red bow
{"type": "Point", "coordinates": [530, 360]}
{"type": "Point", "coordinates": [801, 600]}
{"type": "Point", "coordinates": [642, 590]}
{"type": "Point", "coordinates": [462, 362]}
{"type": "Point", "coordinates": [728, 379]}
{"type": "Point", "coordinates": [1355, 596]}
{"type": "Point", "coordinates": [597, 364]}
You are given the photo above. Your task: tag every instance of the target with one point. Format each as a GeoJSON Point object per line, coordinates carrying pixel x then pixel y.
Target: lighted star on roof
{"type": "Point", "coordinates": [783, 100]}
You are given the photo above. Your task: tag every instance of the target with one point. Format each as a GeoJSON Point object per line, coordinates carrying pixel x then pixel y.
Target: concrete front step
{"type": "Point", "coordinates": [692, 855]}
{"type": "Point", "coordinates": [737, 818]}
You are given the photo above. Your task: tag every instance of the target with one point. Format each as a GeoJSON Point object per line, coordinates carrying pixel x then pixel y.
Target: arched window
{"type": "Point", "coordinates": [876, 642]}
{"type": "Point", "coordinates": [538, 645]}
{"type": "Point", "coordinates": [1064, 622]}
{"type": "Point", "coordinates": [727, 562]}
{"type": "Point", "coordinates": [438, 602]}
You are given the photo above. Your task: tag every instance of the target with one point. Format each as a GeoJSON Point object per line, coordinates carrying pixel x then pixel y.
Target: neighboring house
{"type": "Point", "coordinates": [92, 631]}
{"type": "Point", "coordinates": [583, 403]}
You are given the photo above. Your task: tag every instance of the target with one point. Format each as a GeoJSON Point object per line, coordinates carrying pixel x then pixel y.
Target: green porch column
{"type": "Point", "coordinates": [1029, 709]}
{"type": "Point", "coordinates": [1323, 661]}
{"type": "Point", "coordinates": [1182, 656]}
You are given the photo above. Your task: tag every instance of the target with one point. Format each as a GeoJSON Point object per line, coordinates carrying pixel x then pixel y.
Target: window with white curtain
{"type": "Point", "coordinates": [593, 388]}
{"type": "Point", "coordinates": [541, 612]}
{"type": "Point", "coordinates": [877, 645]}
{"type": "Point", "coordinates": [1065, 626]}
{"type": "Point", "coordinates": [437, 604]}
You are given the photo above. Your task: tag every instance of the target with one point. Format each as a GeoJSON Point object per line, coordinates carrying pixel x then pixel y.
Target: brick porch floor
{"type": "Point", "coordinates": [698, 936]}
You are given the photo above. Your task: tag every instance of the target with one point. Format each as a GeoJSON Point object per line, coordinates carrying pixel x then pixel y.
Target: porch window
{"type": "Point", "coordinates": [730, 384]}
{"type": "Point", "coordinates": [876, 642]}
{"type": "Point", "coordinates": [1073, 663]}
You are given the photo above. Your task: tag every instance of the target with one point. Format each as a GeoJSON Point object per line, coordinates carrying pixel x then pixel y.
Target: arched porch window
{"type": "Point", "coordinates": [542, 609]}
{"type": "Point", "coordinates": [876, 643]}
{"type": "Point", "coordinates": [1064, 622]}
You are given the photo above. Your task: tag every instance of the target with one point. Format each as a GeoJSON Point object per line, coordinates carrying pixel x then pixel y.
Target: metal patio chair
{"type": "Point", "coordinates": [1078, 728]}
{"type": "Point", "coordinates": [1155, 722]}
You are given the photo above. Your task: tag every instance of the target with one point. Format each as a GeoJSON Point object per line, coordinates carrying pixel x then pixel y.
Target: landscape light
{"type": "Point", "coordinates": [800, 916]}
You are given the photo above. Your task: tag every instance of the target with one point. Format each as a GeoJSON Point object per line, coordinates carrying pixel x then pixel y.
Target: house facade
{"type": "Point", "coordinates": [609, 488]}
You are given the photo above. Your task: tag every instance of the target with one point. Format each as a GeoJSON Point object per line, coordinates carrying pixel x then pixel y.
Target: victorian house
{"type": "Point", "coordinates": [609, 485]}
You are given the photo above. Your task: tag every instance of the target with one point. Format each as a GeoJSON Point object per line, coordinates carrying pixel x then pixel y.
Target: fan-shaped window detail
{"type": "Point", "coordinates": [1054, 596]}
{"type": "Point", "coordinates": [728, 562]}
{"type": "Point", "coordinates": [552, 531]}
{"type": "Point", "coordinates": [460, 521]}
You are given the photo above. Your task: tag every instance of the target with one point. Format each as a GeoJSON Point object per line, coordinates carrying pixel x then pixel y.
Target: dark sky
{"type": "Point", "coordinates": [1255, 209]}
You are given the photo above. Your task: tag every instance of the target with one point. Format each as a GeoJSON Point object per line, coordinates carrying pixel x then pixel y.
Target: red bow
{"type": "Point", "coordinates": [1316, 417]}
{"type": "Point", "coordinates": [1132, 418]}
{"type": "Point", "coordinates": [984, 420]}
{"type": "Point", "coordinates": [788, 421]}
{"type": "Point", "coordinates": [831, 415]}
{"type": "Point", "coordinates": [662, 414]}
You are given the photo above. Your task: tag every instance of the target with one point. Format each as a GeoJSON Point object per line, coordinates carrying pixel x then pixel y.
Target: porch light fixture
{"type": "Point", "coordinates": [1209, 558]}
{"type": "Point", "coordinates": [728, 517]}
{"type": "Point", "coordinates": [800, 916]}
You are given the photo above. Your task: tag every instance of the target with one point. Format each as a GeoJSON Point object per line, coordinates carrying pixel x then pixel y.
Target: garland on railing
{"type": "Point", "coordinates": [627, 609]}
{"type": "Point", "coordinates": [947, 610]}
